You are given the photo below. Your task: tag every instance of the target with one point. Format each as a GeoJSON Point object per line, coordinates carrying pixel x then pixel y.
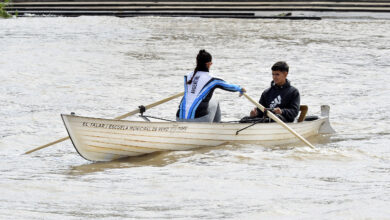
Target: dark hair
{"type": "Point", "coordinates": [202, 58]}
{"type": "Point", "coordinates": [280, 66]}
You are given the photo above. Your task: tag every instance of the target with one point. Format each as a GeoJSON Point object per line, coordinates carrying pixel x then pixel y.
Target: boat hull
{"type": "Point", "coordinates": [98, 139]}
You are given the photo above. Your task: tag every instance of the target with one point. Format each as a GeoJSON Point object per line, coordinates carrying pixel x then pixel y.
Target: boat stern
{"type": "Point", "coordinates": [326, 128]}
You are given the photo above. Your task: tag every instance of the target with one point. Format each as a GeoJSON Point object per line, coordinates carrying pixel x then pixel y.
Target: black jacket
{"type": "Point", "coordinates": [285, 97]}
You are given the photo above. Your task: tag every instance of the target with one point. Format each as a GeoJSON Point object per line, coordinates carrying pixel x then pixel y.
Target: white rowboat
{"type": "Point", "coordinates": [98, 139]}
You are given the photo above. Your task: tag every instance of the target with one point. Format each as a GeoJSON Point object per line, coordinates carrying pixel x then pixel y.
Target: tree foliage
{"type": "Point", "coordinates": [3, 12]}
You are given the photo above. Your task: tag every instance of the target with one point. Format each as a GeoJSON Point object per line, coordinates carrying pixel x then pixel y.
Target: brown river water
{"type": "Point", "coordinates": [107, 66]}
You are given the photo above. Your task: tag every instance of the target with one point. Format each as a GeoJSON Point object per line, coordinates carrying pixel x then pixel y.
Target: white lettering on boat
{"type": "Point", "coordinates": [173, 128]}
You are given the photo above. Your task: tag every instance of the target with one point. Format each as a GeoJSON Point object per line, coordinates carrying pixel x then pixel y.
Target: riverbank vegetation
{"type": "Point", "coordinates": [3, 12]}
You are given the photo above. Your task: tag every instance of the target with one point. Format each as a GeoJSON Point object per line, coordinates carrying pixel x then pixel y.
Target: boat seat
{"type": "Point", "coordinates": [303, 109]}
{"type": "Point", "coordinates": [311, 118]}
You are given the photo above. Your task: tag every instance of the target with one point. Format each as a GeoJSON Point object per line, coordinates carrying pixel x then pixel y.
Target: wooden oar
{"type": "Point", "coordinates": [118, 118]}
{"type": "Point", "coordinates": [271, 115]}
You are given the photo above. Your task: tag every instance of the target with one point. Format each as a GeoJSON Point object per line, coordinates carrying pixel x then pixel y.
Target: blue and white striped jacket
{"type": "Point", "coordinates": [197, 95]}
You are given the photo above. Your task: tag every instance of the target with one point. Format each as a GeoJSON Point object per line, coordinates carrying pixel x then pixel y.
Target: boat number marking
{"type": "Point", "coordinates": [173, 128]}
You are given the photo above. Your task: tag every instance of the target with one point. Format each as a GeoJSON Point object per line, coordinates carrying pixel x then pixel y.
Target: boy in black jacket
{"type": "Point", "coordinates": [283, 98]}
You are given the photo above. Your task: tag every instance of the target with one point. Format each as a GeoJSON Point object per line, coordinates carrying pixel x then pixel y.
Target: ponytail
{"type": "Point", "coordinates": [202, 59]}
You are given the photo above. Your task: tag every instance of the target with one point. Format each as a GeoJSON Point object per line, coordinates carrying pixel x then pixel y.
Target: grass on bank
{"type": "Point", "coordinates": [3, 12]}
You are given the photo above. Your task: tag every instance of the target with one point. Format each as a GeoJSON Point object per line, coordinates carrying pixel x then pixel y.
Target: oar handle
{"type": "Point", "coordinates": [271, 115]}
{"type": "Point", "coordinates": [118, 118]}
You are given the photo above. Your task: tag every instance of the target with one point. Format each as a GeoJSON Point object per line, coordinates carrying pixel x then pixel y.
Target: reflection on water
{"type": "Point", "coordinates": [153, 159]}
{"type": "Point", "coordinates": [160, 159]}
{"type": "Point", "coordinates": [107, 66]}
{"type": "Point", "coordinates": [156, 159]}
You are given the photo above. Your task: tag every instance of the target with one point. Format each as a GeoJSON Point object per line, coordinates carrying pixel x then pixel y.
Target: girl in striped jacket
{"type": "Point", "coordinates": [199, 86]}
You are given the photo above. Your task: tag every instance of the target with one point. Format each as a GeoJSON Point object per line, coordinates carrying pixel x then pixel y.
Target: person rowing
{"type": "Point", "coordinates": [281, 97]}
{"type": "Point", "coordinates": [199, 86]}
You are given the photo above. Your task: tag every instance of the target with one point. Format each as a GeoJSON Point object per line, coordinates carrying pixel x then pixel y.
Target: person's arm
{"type": "Point", "coordinates": [256, 112]}
{"type": "Point", "coordinates": [227, 86]}
{"type": "Point", "coordinates": [263, 103]}
{"type": "Point", "coordinates": [292, 110]}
